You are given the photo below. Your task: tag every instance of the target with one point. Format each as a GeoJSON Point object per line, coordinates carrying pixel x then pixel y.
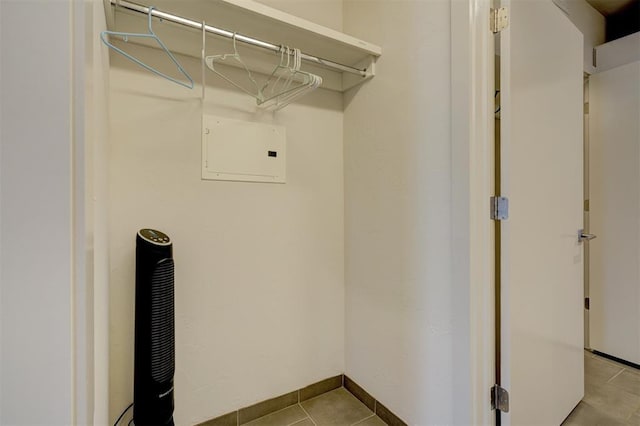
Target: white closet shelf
{"type": "Point", "coordinates": [257, 21]}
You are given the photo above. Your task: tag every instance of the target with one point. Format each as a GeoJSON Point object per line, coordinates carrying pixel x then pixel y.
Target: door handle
{"type": "Point", "coordinates": [585, 237]}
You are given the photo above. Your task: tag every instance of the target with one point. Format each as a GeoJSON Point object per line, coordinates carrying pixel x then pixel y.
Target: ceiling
{"type": "Point", "coordinates": [608, 7]}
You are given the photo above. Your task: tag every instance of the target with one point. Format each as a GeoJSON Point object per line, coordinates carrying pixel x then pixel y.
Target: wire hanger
{"type": "Point", "coordinates": [151, 35]}
{"type": "Point", "coordinates": [280, 71]}
{"type": "Point", "coordinates": [281, 92]}
{"type": "Point", "coordinates": [285, 83]}
{"type": "Point", "coordinates": [210, 61]}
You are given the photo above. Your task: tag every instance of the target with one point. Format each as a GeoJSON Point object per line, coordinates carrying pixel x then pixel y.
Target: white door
{"type": "Point", "coordinates": [614, 164]}
{"type": "Point", "coordinates": [541, 68]}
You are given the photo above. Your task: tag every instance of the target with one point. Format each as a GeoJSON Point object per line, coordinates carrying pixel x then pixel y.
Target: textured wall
{"type": "Point", "coordinates": [401, 318]}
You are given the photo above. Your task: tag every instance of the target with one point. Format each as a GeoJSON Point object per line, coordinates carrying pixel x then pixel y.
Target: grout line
{"type": "Point", "coordinates": [613, 362]}
{"type": "Point", "coordinates": [308, 415]}
{"type": "Point", "coordinates": [237, 417]}
{"type": "Point", "coordinates": [616, 375]}
{"type": "Point", "coordinates": [269, 414]}
{"type": "Point", "coordinates": [298, 421]}
{"type": "Point", "coordinates": [277, 411]}
{"type": "Point", "coordinates": [360, 421]}
{"type": "Point", "coordinates": [317, 396]}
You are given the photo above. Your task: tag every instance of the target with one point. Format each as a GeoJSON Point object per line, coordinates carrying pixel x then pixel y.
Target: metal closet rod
{"type": "Point", "coordinates": [228, 34]}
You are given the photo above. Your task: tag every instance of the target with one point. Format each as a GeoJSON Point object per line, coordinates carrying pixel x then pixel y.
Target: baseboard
{"type": "Point", "coordinates": [616, 359]}
{"type": "Point", "coordinates": [263, 408]}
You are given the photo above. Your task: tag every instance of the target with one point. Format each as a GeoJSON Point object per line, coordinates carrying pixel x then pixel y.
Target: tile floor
{"type": "Point", "coordinates": [337, 407]}
{"type": "Point", "coordinates": [611, 395]}
{"type": "Point", "coordinates": [612, 398]}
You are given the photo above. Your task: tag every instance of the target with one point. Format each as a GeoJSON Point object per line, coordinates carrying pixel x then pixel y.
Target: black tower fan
{"type": "Point", "coordinates": [154, 336]}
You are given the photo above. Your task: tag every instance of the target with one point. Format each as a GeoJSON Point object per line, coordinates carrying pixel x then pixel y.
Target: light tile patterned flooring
{"type": "Point", "coordinates": [611, 395]}
{"type": "Point", "coordinates": [612, 398]}
{"type": "Point", "coordinates": [337, 407]}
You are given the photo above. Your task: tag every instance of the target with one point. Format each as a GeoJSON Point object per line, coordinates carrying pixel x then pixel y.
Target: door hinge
{"type": "Point", "coordinates": [499, 208]}
{"type": "Point", "coordinates": [499, 19]}
{"type": "Point", "coordinates": [499, 399]}
{"type": "Point", "coordinates": [586, 303]}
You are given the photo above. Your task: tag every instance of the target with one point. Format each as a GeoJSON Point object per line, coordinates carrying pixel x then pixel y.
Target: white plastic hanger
{"type": "Point", "coordinates": [285, 83]}
{"type": "Point", "coordinates": [291, 83]}
{"type": "Point", "coordinates": [211, 60]}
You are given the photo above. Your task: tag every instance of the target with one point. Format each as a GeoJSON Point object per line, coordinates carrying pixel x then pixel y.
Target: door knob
{"type": "Point", "coordinates": [585, 237]}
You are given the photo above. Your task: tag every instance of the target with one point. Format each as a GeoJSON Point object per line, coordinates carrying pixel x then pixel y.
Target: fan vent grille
{"type": "Point", "coordinates": [162, 322]}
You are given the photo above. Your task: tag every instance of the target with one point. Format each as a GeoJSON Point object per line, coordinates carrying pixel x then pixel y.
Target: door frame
{"type": "Point", "coordinates": [473, 132]}
{"type": "Point", "coordinates": [585, 214]}
{"type": "Point", "coordinates": [472, 156]}
{"type": "Point", "coordinates": [90, 261]}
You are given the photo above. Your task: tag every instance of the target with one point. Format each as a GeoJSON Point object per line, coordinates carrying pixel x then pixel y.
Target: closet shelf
{"type": "Point", "coordinates": [341, 60]}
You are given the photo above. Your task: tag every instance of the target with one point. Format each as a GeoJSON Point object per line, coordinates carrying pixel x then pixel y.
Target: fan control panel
{"type": "Point", "coordinates": [155, 237]}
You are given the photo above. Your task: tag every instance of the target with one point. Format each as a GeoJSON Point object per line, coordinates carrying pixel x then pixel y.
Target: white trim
{"type": "Point", "coordinates": [81, 306]}
{"type": "Point", "coordinates": [472, 126]}
{"type": "Point", "coordinates": [90, 322]}
{"type": "Point", "coordinates": [97, 202]}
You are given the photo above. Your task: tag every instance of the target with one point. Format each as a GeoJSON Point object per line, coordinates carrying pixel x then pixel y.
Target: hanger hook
{"type": "Point", "coordinates": [150, 16]}
{"type": "Point", "coordinates": [235, 48]}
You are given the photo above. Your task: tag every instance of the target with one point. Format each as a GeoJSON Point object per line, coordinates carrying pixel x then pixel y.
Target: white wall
{"type": "Point", "coordinates": [36, 197]}
{"type": "Point", "coordinates": [590, 22]}
{"type": "Point", "coordinates": [614, 127]}
{"type": "Point", "coordinates": [259, 267]}
{"type": "Point", "coordinates": [323, 12]}
{"type": "Point", "coordinates": [618, 52]}
{"type": "Point", "coordinates": [404, 318]}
